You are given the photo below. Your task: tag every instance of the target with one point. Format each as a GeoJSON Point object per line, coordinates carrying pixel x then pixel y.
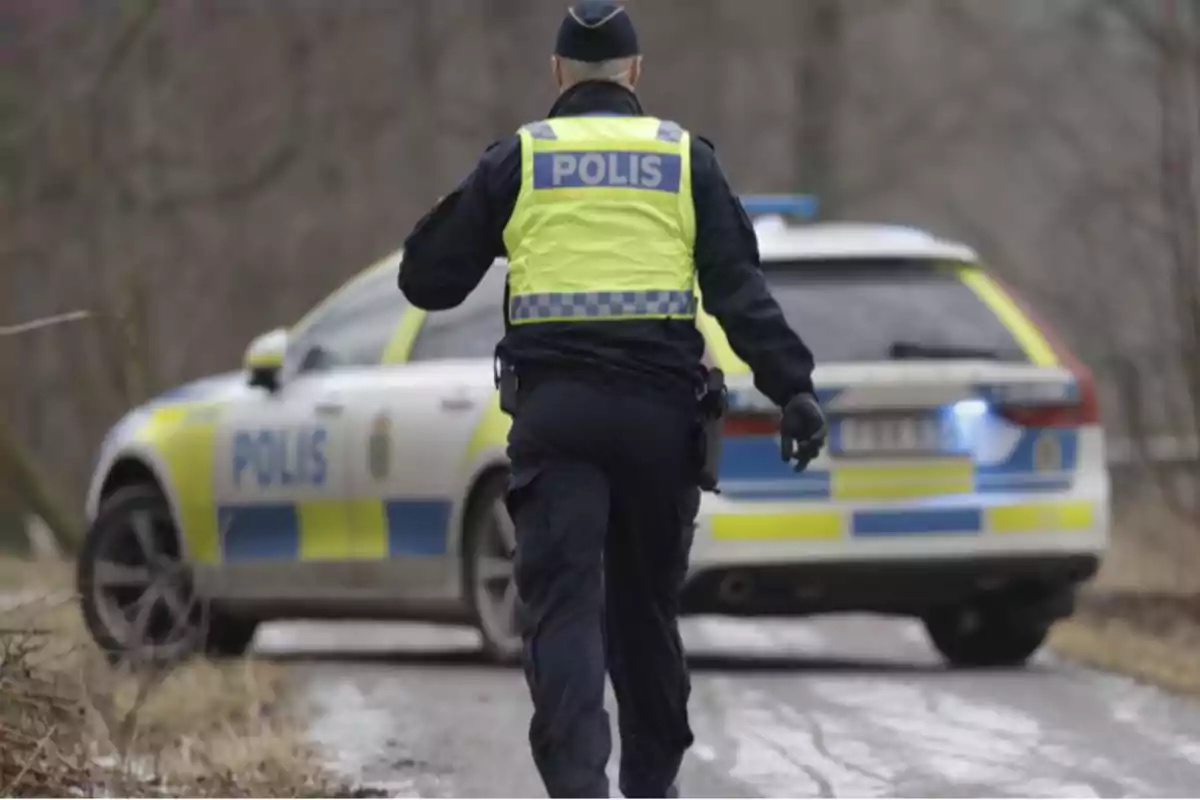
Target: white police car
{"type": "Point", "coordinates": [355, 467]}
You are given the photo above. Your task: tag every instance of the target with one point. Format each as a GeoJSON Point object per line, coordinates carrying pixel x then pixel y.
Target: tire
{"type": "Point", "coordinates": [129, 564]}
{"type": "Point", "coordinates": [971, 637]}
{"type": "Point", "coordinates": [488, 541]}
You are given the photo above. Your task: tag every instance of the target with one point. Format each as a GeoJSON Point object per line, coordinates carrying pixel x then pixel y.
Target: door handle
{"type": "Point", "coordinates": [329, 408]}
{"type": "Point", "coordinates": [457, 403]}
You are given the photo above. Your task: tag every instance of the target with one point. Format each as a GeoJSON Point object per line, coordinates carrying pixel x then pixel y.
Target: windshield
{"type": "Point", "coordinates": [871, 309]}
{"type": "Point", "coordinates": [352, 327]}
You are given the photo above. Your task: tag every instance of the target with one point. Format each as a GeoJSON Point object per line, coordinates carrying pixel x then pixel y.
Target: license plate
{"type": "Point", "coordinates": [893, 435]}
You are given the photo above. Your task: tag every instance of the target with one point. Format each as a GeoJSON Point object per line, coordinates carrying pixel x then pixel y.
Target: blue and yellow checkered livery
{"type": "Point", "coordinates": [317, 531]}
{"type": "Point", "coordinates": [935, 519]}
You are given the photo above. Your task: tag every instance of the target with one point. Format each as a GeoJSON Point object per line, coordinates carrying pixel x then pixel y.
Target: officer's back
{"type": "Point", "coordinates": [453, 246]}
{"type": "Point", "coordinates": [609, 218]}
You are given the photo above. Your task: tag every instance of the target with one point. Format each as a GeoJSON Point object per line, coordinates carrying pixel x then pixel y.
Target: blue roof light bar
{"type": "Point", "coordinates": [804, 206]}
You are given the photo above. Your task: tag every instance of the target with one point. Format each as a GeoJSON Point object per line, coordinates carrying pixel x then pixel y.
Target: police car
{"type": "Point", "coordinates": [355, 467]}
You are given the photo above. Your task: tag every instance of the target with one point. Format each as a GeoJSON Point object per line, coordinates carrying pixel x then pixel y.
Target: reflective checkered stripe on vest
{"type": "Point", "coordinates": [604, 226]}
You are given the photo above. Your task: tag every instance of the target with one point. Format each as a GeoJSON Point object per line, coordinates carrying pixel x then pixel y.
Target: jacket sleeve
{"type": "Point", "coordinates": [734, 290]}
{"type": "Point", "coordinates": [452, 247]}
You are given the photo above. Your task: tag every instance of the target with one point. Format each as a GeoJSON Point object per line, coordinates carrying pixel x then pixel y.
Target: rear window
{"type": "Point", "coordinates": [857, 310]}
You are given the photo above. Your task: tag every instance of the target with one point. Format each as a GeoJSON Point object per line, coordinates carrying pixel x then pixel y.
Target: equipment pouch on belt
{"type": "Point", "coordinates": [506, 382]}
{"type": "Point", "coordinates": [713, 404]}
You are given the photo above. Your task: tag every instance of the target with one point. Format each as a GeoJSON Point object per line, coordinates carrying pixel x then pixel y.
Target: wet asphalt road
{"type": "Point", "coordinates": [835, 707]}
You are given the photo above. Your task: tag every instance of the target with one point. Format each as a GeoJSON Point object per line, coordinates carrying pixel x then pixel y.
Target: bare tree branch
{"type": "Point", "coordinates": [43, 322]}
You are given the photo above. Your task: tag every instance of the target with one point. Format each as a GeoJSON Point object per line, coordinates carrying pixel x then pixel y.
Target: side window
{"type": "Point", "coordinates": [356, 327]}
{"type": "Point", "coordinates": [471, 330]}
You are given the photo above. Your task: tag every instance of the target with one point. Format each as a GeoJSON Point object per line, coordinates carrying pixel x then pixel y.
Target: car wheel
{"type": "Point", "coordinates": [491, 543]}
{"type": "Point", "coordinates": [137, 595]}
{"type": "Point", "coordinates": [994, 637]}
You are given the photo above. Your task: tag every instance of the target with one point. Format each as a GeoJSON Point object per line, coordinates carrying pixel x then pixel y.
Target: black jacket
{"type": "Point", "coordinates": [453, 246]}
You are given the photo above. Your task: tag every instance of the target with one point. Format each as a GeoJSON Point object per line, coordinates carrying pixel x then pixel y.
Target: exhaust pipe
{"type": "Point", "coordinates": [735, 588]}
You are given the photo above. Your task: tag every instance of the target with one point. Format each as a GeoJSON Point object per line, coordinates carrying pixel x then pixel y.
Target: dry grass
{"type": "Point", "coordinates": [1141, 615]}
{"type": "Point", "coordinates": [71, 724]}
{"type": "Point", "coordinates": [17, 574]}
{"type": "Point", "coordinates": [1120, 646]}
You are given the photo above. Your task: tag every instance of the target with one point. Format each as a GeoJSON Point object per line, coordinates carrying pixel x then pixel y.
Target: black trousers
{"type": "Point", "coordinates": [604, 497]}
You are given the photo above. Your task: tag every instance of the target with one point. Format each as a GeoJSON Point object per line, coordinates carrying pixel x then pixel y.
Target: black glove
{"type": "Point", "coordinates": [802, 431]}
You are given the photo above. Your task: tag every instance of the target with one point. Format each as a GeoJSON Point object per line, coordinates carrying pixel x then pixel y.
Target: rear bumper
{"type": "Point", "coordinates": [902, 587]}
{"type": "Point", "coordinates": [959, 529]}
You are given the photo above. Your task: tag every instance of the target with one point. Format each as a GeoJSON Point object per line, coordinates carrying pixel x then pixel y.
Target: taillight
{"type": "Point", "coordinates": [1085, 410]}
{"type": "Point", "coordinates": [751, 425]}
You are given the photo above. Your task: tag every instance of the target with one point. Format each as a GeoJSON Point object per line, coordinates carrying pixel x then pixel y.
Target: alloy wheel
{"type": "Point", "coordinates": [495, 585]}
{"type": "Point", "coordinates": [143, 593]}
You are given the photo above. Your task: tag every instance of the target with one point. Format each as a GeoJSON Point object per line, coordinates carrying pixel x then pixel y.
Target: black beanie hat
{"type": "Point", "coordinates": [596, 30]}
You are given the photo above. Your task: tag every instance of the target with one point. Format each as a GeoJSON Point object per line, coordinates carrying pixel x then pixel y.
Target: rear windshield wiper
{"type": "Point", "coordinates": [915, 350]}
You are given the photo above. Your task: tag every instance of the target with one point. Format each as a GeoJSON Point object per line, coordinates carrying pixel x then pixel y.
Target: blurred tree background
{"type": "Point", "coordinates": [193, 172]}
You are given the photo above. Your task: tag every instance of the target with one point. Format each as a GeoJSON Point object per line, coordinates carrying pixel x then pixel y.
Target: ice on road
{"type": "Point", "coordinates": [831, 707]}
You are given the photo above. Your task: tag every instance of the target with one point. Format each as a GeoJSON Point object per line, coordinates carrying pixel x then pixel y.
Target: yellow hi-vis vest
{"type": "Point", "coordinates": [604, 227]}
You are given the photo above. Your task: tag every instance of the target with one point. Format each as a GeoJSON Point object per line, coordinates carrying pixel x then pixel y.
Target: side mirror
{"type": "Point", "coordinates": [264, 359]}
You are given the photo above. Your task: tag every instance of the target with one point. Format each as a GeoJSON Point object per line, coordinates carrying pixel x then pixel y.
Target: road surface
{"type": "Point", "coordinates": [832, 707]}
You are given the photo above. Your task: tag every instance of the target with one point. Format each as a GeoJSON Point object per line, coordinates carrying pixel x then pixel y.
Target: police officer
{"type": "Point", "coordinates": [608, 217]}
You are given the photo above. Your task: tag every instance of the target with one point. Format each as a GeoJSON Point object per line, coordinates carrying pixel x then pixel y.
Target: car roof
{"type": "Point", "coordinates": [778, 241]}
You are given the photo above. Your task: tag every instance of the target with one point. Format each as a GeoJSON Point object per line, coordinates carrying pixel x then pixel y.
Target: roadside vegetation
{"type": "Point", "coordinates": [1141, 615]}
{"type": "Point", "coordinates": [73, 725]}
